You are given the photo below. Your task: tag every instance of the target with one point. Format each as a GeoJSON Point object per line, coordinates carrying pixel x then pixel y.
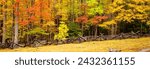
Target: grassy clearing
{"type": "Point", "coordinates": [126, 45]}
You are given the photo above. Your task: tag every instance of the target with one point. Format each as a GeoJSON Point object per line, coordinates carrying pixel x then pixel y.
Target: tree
{"type": "Point", "coordinates": [97, 20]}
{"type": "Point", "coordinates": [62, 33]}
{"type": "Point", "coordinates": [95, 12]}
{"type": "Point", "coordinates": [16, 26]}
{"type": "Point", "coordinates": [129, 11]}
{"type": "Point", "coordinates": [82, 20]}
{"type": "Point", "coordinates": [4, 21]}
{"type": "Point", "coordinates": [73, 9]}
{"type": "Point", "coordinates": [1, 20]}
{"type": "Point", "coordinates": [95, 7]}
{"type": "Point", "coordinates": [74, 30]}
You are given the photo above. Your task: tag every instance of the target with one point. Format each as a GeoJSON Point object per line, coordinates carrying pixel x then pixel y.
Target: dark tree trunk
{"type": "Point", "coordinates": [95, 31]}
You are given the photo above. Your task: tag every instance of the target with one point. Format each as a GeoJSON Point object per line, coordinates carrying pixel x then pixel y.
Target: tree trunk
{"type": "Point", "coordinates": [116, 29]}
{"type": "Point", "coordinates": [95, 31]}
{"type": "Point", "coordinates": [13, 24]}
{"type": "Point", "coordinates": [4, 26]}
{"type": "Point", "coordinates": [112, 29]}
{"type": "Point", "coordinates": [141, 29]}
{"type": "Point", "coordinates": [82, 29]}
{"type": "Point", "coordinates": [73, 11]}
{"type": "Point", "coordinates": [16, 25]}
{"type": "Point", "coordinates": [89, 32]}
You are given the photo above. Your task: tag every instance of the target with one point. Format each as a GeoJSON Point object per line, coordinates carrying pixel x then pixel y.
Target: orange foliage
{"type": "Point", "coordinates": [97, 19]}
{"type": "Point", "coordinates": [34, 13]}
{"type": "Point", "coordinates": [82, 19]}
{"type": "Point", "coordinates": [23, 22]}
{"type": "Point", "coordinates": [17, 0]}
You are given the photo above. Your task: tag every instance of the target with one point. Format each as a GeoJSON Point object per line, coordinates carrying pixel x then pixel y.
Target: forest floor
{"type": "Point", "coordinates": [125, 45]}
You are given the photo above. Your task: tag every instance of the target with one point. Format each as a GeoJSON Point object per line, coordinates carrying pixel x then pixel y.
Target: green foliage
{"type": "Point", "coordinates": [36, 31]}
{"type": "Point", "coordinates": [63, 32]}
{"type": "Point", "coordinates": [74, 30]}
{"type": "Point", "coordinates": [74, 8]}
{"type": "Point", "coordinates": [95, 7]}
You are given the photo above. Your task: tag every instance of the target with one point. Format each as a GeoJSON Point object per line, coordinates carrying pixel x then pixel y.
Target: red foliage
{"type": "Point", "coordinates": [32, 18]}
{"type": "Point", "coordinates": [82, 19]}
{"type": "Point", "coordinates": [16, 13]}
{"type": "Point", "coordinates": [30, 10]}
{"type": "Point", "coordinates": [23, 22]}
{"type": "Point", "coordinates": [98, 19]}
{"type": "Point", "coordinates": [17, 1]}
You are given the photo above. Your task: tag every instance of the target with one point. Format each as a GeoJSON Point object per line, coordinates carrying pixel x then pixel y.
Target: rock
{"type": "Point", "coordinates": [145, 50]}
{"type": "Point", "coordinates": [114, 50]}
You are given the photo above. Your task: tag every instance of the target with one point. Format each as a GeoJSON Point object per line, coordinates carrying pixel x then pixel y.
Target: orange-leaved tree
{"type": "Point", "coordinates": [82, 20]}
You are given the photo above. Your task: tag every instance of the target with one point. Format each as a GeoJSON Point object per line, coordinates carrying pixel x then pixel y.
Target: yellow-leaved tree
{"type": "Point", "coordinates": [128, 11]}
{"type": "Point", "coordinates": [62, 32]}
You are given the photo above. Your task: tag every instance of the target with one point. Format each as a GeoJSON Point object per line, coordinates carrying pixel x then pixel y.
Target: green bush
{"type": "Point", "coordinates": [74, 30]}
{"type": "Point", "coordinates": [36, 31]}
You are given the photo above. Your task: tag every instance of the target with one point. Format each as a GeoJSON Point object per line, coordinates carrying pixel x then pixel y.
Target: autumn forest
{"type": "Point", "coordinates": [33, 23]}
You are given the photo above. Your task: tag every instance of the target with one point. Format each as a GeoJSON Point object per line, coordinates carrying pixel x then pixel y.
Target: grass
{"type": "Point", "coordinates": [126, 45]}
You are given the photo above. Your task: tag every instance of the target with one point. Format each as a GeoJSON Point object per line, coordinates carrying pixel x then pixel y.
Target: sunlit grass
{"type": "Point", "coordinates": [126, 45]}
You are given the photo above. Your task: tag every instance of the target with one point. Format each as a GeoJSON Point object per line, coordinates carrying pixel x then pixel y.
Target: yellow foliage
{"type": "Point", "coordinates": [129, 10]}
{"type": "Point", "coordinates": [49, 24]}
{"type": "Point", "coordinates": [1, 17]}
{"type": "Point", "coordinates": [63, 32]}
{"type": "Point", "coordinates": [9, 22]}
{"type": "Point", "coordinates": [148, 22]}
{"type": "Point", "coordinates": [106, 24]}
{"type": "Point", "coordinates": [9, 3]}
